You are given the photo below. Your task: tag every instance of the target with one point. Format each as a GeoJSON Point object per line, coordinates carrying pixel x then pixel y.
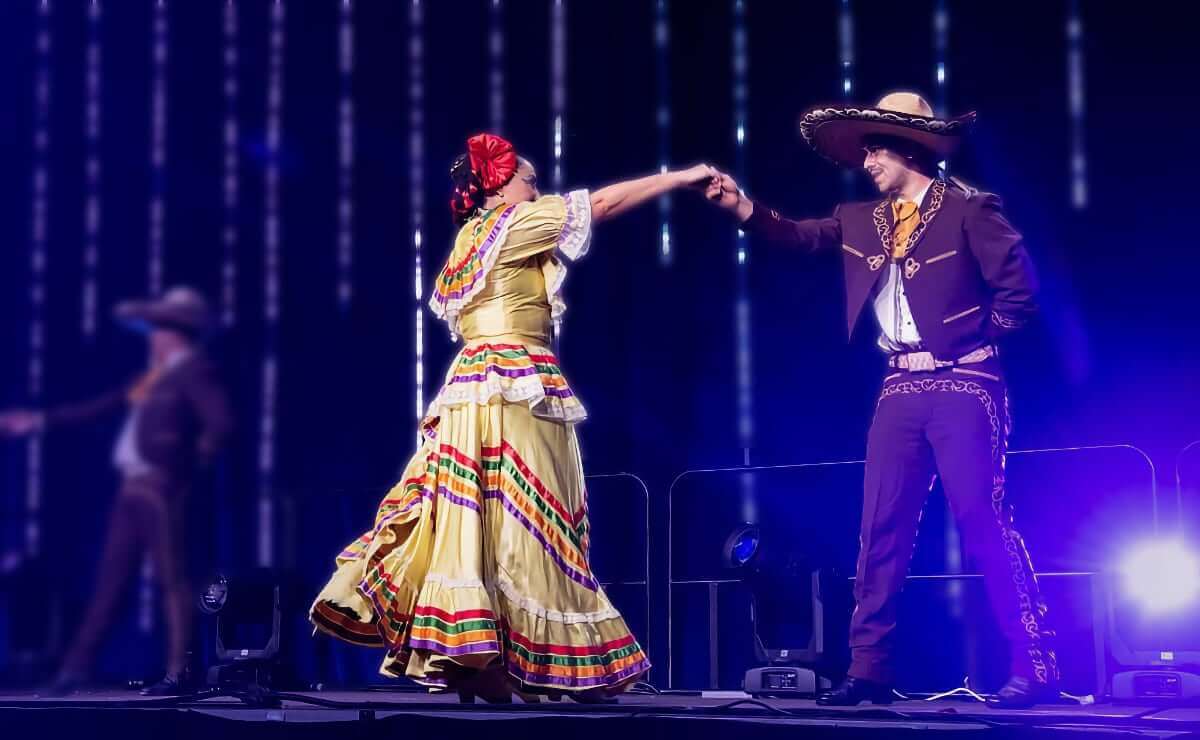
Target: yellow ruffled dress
{"type": "Point", "coordinates": [480, 553]}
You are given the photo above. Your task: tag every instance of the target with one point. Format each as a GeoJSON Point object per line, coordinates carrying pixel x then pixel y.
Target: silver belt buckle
{"type": "Point", "coordinates": [921, 362]}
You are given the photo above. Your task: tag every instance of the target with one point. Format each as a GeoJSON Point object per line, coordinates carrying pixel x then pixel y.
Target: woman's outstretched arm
{"type": "Point", "coordinates": [613, 200]}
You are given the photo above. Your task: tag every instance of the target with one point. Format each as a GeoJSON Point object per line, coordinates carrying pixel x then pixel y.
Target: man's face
{"type": "Point", "coordinates": [163, 342]}
{"type": "Point", "coordinates": [887, 169]}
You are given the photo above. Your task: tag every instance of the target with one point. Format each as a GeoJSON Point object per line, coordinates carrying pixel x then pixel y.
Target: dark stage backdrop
{"type": "Point", "coordinates": [650, 347]}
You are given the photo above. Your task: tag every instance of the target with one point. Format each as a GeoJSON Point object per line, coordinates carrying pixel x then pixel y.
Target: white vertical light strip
{"type": "Point", "coordinates": [941, 44]}
{"type": "Point", "coordinates": [742, 305]}
{"type": "Point", "coordinates": [558, 108]}
{"type": "Point", "coordinates": [230, 184]}
{"type": "Point", "coordinates": [952, 544]}
{"type": "Point", "coordinates": [91, 171]}
{"type": "Point", "coordinates": [558, 86]}
{"type": "Point", "coordinates": [846, 47]}
{"type": "Point", "coordinates": [145, 596]}
{"type": "Point", "coordinates": [662, 120]}
{"type": "Point", "coordinates": [846, 57]}
{"type": "Point", "coordinates": [158, 144]}
{"type": "Point", "coordinates": [742, 323]}
{"type": "Point", "coordinates": [416, 191]}
{"type": "Point", "coordinates": [345, 213]}
{"type": "Point", "coordinates": [157, 226]}
{"type": "Point", "coordinates": [1078, 106]}
{"type": "Point", "coordinates": [496, 68]}
{"type": "Point", "coordinates": [266, 462]}
{"type": "Point", "coordinates": [38, 228]}
{"type": "Point", "coordinates": [272, 256]}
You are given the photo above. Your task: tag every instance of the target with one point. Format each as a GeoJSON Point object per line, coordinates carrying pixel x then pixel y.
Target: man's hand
{"type": "Point", "coordinates": [20, 422]}
{"type": "Point", "coordinates": [724, 193]}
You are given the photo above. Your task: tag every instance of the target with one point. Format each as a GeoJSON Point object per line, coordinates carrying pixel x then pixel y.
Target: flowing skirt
{"type": "Point", "coordinates": [479, 556]}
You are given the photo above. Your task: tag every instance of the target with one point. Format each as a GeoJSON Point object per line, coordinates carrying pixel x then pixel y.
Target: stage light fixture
{"type": "Point", "coordinates": [247, 613]}
{"type": "Point", "coordinates": [742, 545]}
{"type": "Point", "coordinates": [790, 609]}
{"type": "Point", "coordinates": [214, 596]}
{"type": "Point", "coordinates": [1162, 576]}
{"type": "Point", "coordinates": [1146, 614]}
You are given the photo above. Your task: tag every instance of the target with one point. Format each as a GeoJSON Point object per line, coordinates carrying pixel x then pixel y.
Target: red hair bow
{"type": "Point", "coordinates": [493, 159]}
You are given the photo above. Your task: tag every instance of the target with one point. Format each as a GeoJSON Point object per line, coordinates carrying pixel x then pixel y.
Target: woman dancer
{"type": "Point", "coordinates": [475, 576]}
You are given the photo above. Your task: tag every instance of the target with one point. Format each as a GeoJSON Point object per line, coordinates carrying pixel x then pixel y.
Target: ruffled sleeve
{"type": "Point", "coordinates": [552, 222]}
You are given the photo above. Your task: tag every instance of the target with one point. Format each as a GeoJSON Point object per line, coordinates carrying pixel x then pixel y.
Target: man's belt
{"type": "Point", "coordinates": [923, 362]}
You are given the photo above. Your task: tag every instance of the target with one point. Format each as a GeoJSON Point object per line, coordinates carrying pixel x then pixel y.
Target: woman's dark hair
{"type": "Point", "coordinates": [468, 190]}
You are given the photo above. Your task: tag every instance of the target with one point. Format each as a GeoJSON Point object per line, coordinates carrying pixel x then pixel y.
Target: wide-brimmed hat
{"type": "Point", "coordinates": [839, 133]}
{"type": "Point", "coordinates": [181, 308]}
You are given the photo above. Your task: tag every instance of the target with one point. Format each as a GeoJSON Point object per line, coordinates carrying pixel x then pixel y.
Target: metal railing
{"type": "Point", "coordinates": [644, 581]}
{"type": "Point", "coordinates": [1192, 448]}
{"type": "Point", "coordinates": [714, 583]}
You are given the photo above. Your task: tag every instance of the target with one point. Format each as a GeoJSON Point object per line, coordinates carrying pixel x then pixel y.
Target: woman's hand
{"type": "Point", "coordinates": [699, 176]}
{"type": "Point", "coordinates": [20, 422]}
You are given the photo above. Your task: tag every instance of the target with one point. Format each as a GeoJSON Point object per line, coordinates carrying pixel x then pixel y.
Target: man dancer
{"type": "Point", "coordinates": [177, 419]}
{"type": "Point", "coordinates": [946, 276]}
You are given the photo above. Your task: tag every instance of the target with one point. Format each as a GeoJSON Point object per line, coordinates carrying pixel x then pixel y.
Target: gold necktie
{"type": "Point", "coordinates": [141, 388]}
{"type": "Point", "coordinates": [906, 219]}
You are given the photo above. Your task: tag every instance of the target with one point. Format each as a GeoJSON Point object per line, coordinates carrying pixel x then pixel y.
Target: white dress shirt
{"type": "Point", "coordinates": [127, 458]}
{"type": "Point", "coordinates": [898, 329]}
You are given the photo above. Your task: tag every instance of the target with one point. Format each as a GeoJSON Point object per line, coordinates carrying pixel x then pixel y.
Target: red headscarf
{"type": "Point", "coordinates": [493, 159]}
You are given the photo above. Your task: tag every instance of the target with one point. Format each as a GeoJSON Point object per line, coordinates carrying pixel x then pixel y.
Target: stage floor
{"type": "Point", "coordinates": [636, 715]}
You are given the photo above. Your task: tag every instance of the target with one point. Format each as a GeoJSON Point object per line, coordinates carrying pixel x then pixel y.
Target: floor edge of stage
{"type": "Point", "coordinates": [315, 714]}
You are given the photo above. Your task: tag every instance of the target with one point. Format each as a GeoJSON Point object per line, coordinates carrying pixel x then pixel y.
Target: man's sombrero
{"type": "Point", "coordinates": [839, 134]}
{"type": "Point", "coordinates": [181, 308]}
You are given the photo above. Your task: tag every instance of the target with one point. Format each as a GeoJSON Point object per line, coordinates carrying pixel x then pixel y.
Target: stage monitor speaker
{"type": "Point", "coordinates": [1156, 686]}
{"type": "Point", "coordinates": [782, 681]}
{"type": "Point", "coordinates": [1145, 655]}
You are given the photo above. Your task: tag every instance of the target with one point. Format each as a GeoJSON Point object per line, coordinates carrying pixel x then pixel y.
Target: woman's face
{"type": "Point", "coordinates": [523, 186]}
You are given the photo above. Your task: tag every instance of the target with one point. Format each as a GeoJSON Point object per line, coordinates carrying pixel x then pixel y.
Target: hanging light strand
{"type": "Point", "coordinates": [230, 164]}
{"type": "Point", "coordinates": [496, 67]}
{"type": "Point", "coordinates": [345, 213]}
{"type": "Point", "coordinates": [662, 120]}
{"type": "Point", "coordinates": [741, 65]}
{"type": "Point", "coordinates": [416, 193]}
{"type": "Point", "coordinates": [846, 59]}
{"type": "Point", "coordinates": [1076, 82]}
{"type": "Point", "coordinates": [38, 259]}
{"type": "Point", "coordinates": [941, 44]}
{"type": "Point", "coordinates": [272, 287]}
{"type": "Point", "coordinates": [158, 145]}
{"type": "Point", "coordinates": [558, 87]}
{"type": "Point", "coordinates": [92, 119]}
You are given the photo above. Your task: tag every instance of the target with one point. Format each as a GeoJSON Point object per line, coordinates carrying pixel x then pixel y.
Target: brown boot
{"type": "Point", "coordinates": [490, 684]}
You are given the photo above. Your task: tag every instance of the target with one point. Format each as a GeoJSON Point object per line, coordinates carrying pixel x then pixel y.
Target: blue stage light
{"type": "Point", "coordinates": [215, 595]}
{"type": "Point", "coordinates": [742, 546]}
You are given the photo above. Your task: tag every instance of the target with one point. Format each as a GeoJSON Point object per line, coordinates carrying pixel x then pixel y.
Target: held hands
{"type": "Point", "coordinates": [718, 188]}
{"type": "Point", "coordinates": [724, 193]}
{"type": "Point", "coordinates": [20, 423]}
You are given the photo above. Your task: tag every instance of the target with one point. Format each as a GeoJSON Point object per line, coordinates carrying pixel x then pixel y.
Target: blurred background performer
{"type": "Point", "coordinates": [177, 418]}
